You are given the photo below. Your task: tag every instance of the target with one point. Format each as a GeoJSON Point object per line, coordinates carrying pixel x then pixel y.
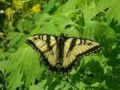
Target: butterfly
{"type": "Point", "coordinates": [60, 53]}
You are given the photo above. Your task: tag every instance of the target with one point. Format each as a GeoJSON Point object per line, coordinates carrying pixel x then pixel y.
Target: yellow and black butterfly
{"type": "Point", "coordinates": [60, 52]}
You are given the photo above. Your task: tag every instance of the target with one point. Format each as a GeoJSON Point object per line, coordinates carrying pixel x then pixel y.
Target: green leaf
{"type": "Point", "coordinates": [35, 87]}
{"type": "Point", "coordinates": [15, 79]}
{"type": "Point", "coordinates": [92, 68]}
{"type": "Point", "coordinates": [16, 39]}
{"type": "Point", "coordinates": [49, 6]}
{"type": "Point", "coordinates": [113, 12]}
{"type": "Point", "coordinates": [2, 80]}
{"type": "Point", "coordinates": [3, 64]}
{"type": "Point", "coordinates": [96, 31]}
{"type": "Point", "coordinates": [56, 25]}
{"type": "Point", "coordinates": [25, 25]}
{"type": "Point", "coordinates": [31, 66]}
{"type": "Point", "coordinates": [41, 19]}
{"type": "Point", "coordinates": [3, 55]}
{"type": "Point", "coordinates": [118, 57]}
{"type": "Point", "coordinates": [92, 8]}
{"type": "Point", "coordinates": [68, 9]}
{"type": "Point", "coordinates": [60, 86]}
{"type": "Point", "coordinates": [24, 64]}
{"type": "Point", "coordinates": [48, 28]}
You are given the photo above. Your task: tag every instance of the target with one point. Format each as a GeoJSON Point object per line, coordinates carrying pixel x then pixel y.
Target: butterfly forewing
{"type": "Point", "coordinates": [48, 50]}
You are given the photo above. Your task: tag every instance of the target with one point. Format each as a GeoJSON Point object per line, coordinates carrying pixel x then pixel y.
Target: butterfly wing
{"type": "Point", "coordinates": [75, 48]}
{"type": "Point", "coordinates": [46, 46]}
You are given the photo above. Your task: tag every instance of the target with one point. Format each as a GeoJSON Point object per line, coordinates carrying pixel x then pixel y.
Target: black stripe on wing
{"type": "Point", "coordinates": [72, 44]}
{"type": "Point", "coordinates": [79, 56]}
{"type": "Point", "coordinates": [43, 58]}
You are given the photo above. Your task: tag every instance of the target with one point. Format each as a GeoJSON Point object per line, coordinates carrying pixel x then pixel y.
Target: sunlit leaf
{"type": "Point", "coordinates": [24, 64]}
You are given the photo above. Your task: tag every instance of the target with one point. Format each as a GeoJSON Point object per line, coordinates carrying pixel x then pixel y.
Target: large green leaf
{"type": "Point", "coordinates": [16, 40]}
{"type": "Point", "coordinates": [113, 12]}
{"type": "Point", "coordinates": [68, 9]}
{"type": "Point", "coordinates": [56, 25]}
{"type": "Point", "coordinates": [15, 79]}
{"type": "Point", "coordinates": [49, 6]}
{"type": "Point", "coordinates": [92, 8]}
{"type": "Point", "coordinates": [102, 33]}
{"type": "Point", "coordinates": [25, 25]}
{"type": "Point", "coordinates": [23, 65]}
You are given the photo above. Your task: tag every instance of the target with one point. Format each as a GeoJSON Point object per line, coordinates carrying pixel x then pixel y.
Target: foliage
{"type": "Point", "coordinates": [20, 66]}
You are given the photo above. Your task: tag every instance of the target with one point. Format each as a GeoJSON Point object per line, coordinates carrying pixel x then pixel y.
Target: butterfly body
{"type": "Point", "coordinates": [60, 53]}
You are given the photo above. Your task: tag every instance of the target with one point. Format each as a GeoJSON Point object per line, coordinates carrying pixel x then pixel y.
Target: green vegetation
{"type": "Point", "coordinates": [97, 20]}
